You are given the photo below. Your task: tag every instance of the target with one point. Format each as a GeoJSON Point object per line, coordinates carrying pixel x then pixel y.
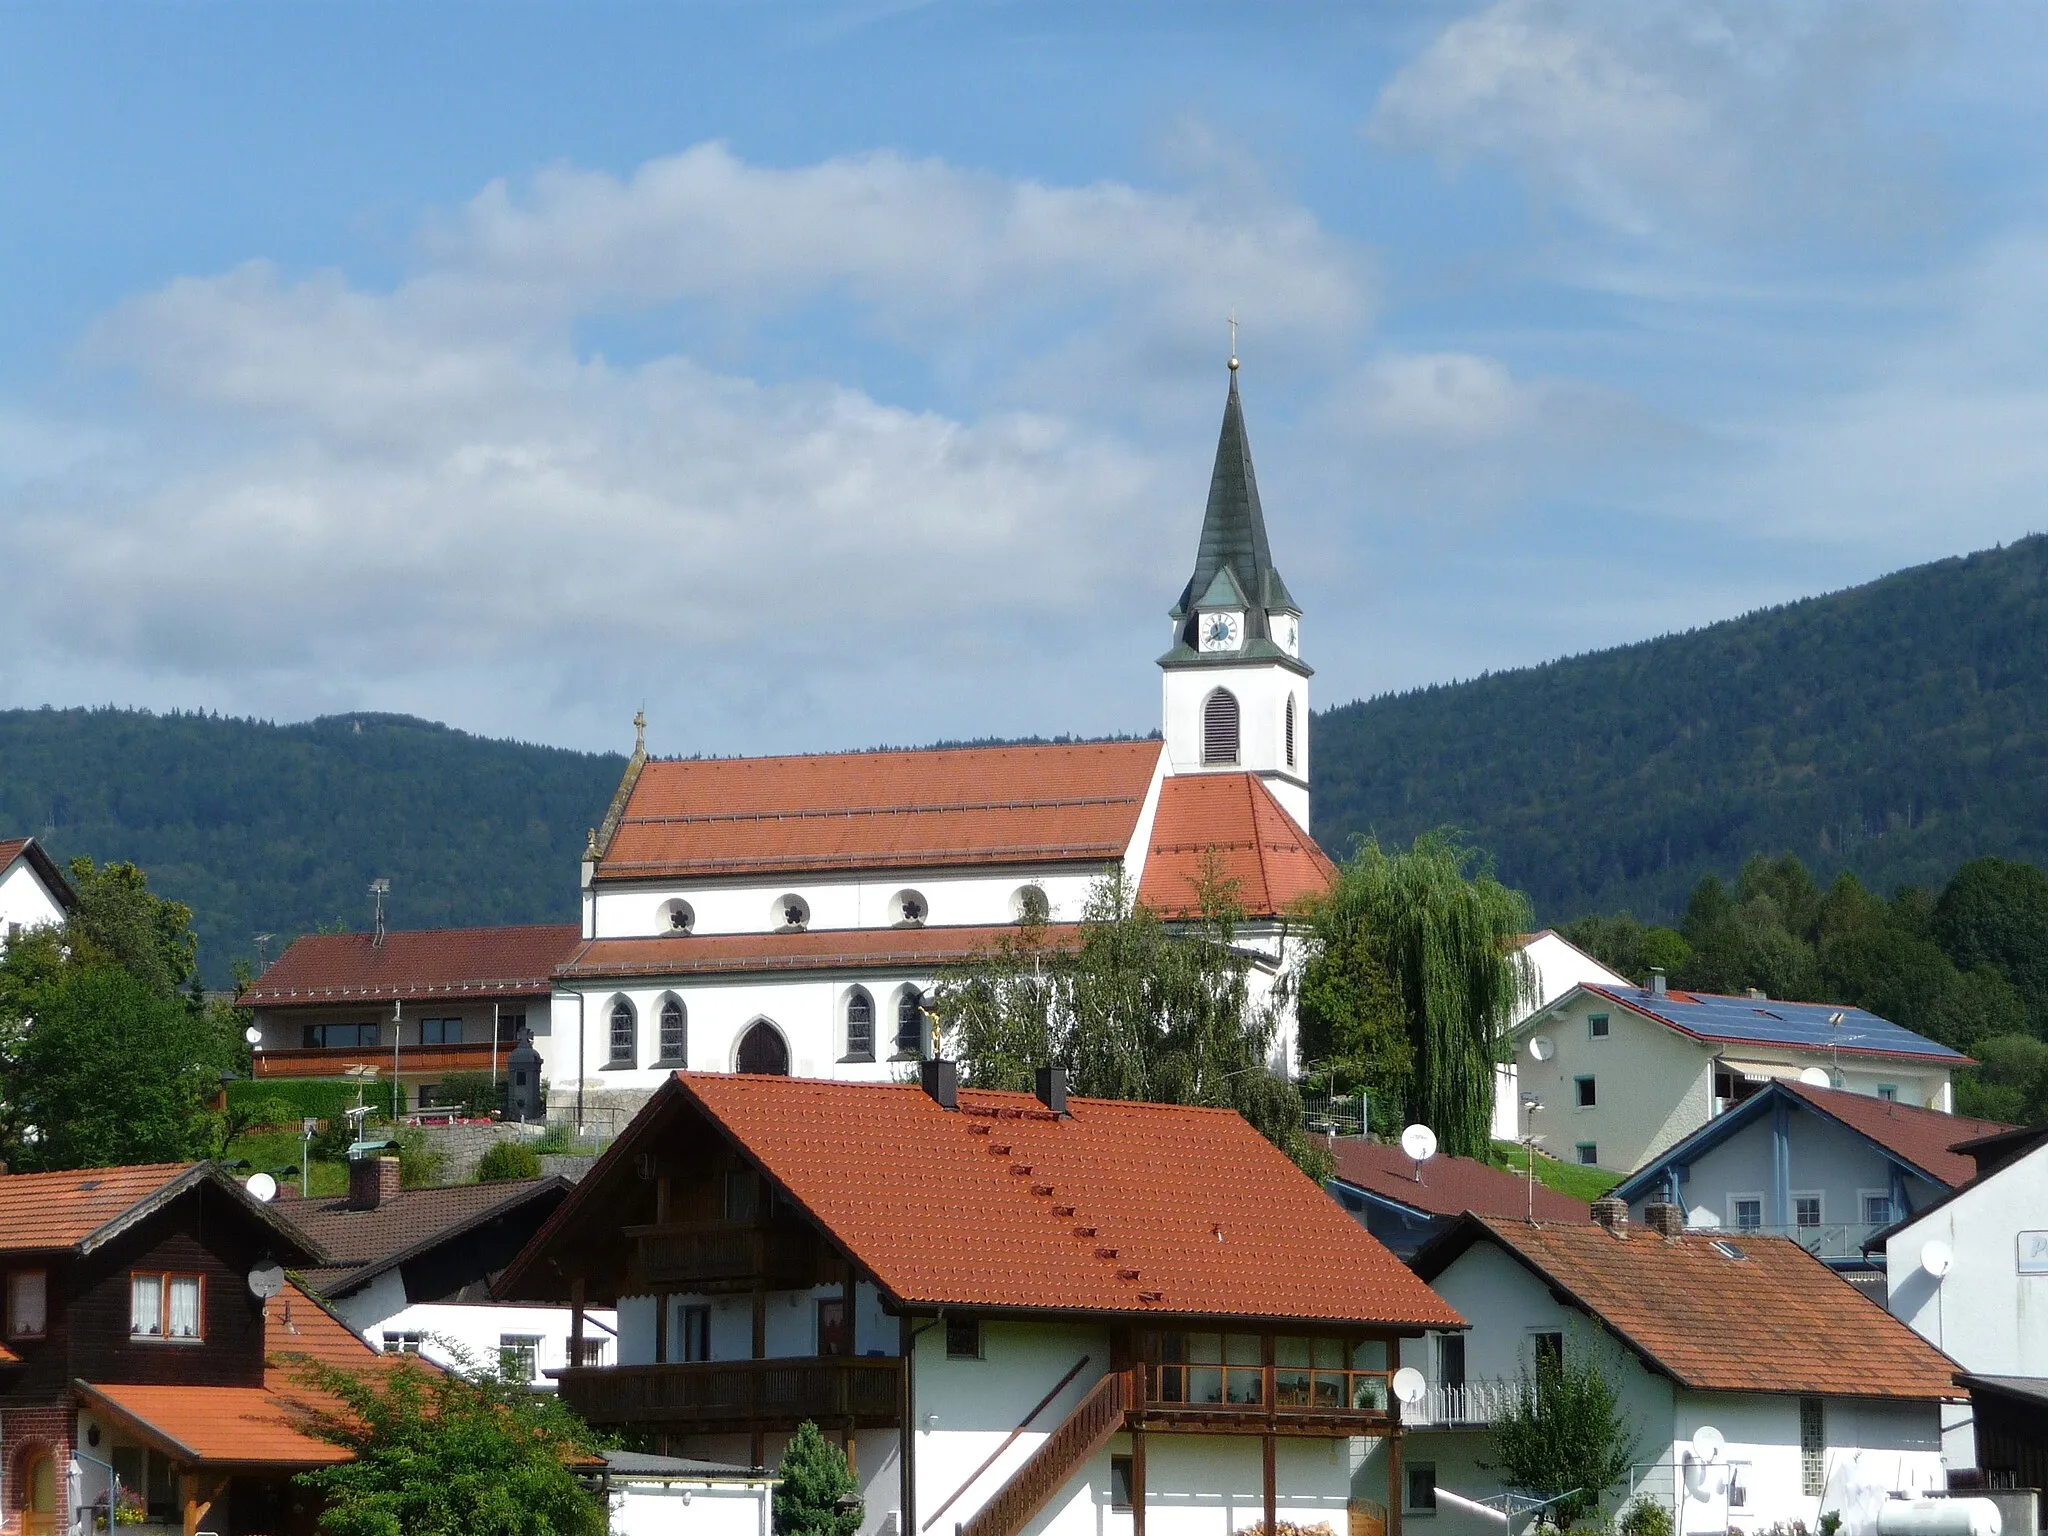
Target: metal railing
{"type": "Point", "coordinates": [1824, 1240]}
{"type": "Point", "coordinates": [1475, 1402]}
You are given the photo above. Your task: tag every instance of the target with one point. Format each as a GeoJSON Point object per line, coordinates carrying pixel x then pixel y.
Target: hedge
{"type": "Point", "coordinates": [317, 1098]}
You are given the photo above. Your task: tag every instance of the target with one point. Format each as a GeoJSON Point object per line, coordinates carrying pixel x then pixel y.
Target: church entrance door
{"type": "Point", "coordinates": [763, 1050]}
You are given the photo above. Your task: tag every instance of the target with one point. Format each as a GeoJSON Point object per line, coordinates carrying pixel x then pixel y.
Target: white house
{"type": "Point", "coordinates": [33, 891]}
{"type": "Point", "coordinates": [1824, 1166]}
{"type": "Point", "coordinates": [1969, 1273]}
{"type": "Point", "coordinates": [789, 915]}
{"type": "Point", "coordinates": [1619, 1073]}
{"type": "Point", "coordinates": [1817, 1392]}
{"type": "Point", "coordinates": [1017, 1313]}
{"type": "Point", "coordinates": [1556, 965]}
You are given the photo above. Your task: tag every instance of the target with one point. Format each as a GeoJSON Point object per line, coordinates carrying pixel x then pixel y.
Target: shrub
{"type": "Point", "coordinates": [1644, 1517]}
{"type": "Point", "coordinates": [419, 1160]}
{"type": "Point", "coordinates": [317, 1098]}
{"type": "Point", "coordinates": [475, 1092]}
{"type": "Point", "coordinates": [814, 1480]}
{"type": "Point", "coordinates": [273, 1114]}
{"type": "Point", "coordinates": [517, 1160]}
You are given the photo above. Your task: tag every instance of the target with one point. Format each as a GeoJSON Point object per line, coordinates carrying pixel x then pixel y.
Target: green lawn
{"type": "Point", "coordinates": [268, 1151]}
{"type": "Point", "coordinates": [1566, 1178]}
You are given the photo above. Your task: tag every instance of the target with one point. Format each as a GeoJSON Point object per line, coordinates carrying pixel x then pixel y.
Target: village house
{"type": "Point", "coordinates": [1016, 1312]}
{"type": "Point", "coordinates": [1611, 1076]}
{"type": "Point", "coordinates": [33, 891]}
{"type": "Point", "coordinates": [1823, 1166]}
{"type": "Point", "coordinates": [1405, 1203]}
{"type": "Point", "coordinates": [1555, 966]}
{"type": "Point", "coordinates": [1817, 1394]}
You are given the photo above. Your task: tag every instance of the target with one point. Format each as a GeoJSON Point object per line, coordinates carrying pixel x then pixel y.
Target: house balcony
{"type": "Point", "coordinates": [414, 1061]}
{"type": "Point", "coordinates": [1469, 1405]}
{"type": "Point", "coordinates": [1283, 1399]}
{"type": "Point", "coordinates": [723, 1256]}
{"type": "Point", "coordinates": [740, 1396]}
{"type": "Point", "coordinates": [1829, 1240]}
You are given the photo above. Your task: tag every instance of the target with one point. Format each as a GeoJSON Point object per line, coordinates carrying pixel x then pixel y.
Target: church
{"type": "Point", "coordinates": [790, 915]}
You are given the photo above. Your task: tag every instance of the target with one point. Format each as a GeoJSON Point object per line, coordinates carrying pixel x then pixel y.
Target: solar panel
{"type": "Point", "coordinates": [1769, 1021]}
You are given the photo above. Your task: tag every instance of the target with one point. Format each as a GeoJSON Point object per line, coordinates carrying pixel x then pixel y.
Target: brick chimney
{"type": "Point", "coordinates": [371, 1181]}
{"type": "Point", "coordinates": [1664, 1218]}
{"type": "Point", "coordinates": [1612, 1214]}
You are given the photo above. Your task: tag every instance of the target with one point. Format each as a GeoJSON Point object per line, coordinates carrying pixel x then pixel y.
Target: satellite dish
{"type": "Point", "coordinates": [1708, 1442]}
{"type": "Point", "coordinates": [266, 1280]}
{"type": "Point", "coordinates": [1419, 1142]}
{"type": "Point", "coordinates": [1700, 1219]}
{"type": "Point", "coordinates": [1815, 1077]}
{"type": "Point", "coordinates": [1542, 1047]}
{"type": "Point", "coordinates": [261, 1186]}
{"type": "Point", "coordinates": [1409, 1385]}
{"type": "Point", "coordinates": [1937, 1258]}
{"type": "Point", "coordinates": [253, 1035]}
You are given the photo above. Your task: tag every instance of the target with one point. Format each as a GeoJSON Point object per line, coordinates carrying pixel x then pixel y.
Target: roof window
{"type": "Point", "coordinates": [1728, 1250]}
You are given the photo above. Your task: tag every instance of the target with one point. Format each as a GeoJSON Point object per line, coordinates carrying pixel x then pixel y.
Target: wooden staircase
{"type": "Point", "coordinates": [1065, 1451]}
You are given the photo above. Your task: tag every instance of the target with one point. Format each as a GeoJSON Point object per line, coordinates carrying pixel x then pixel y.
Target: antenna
{"type": "Point", "coordinates": [266, 1279]}
{"type": "Point", "coordinates": [1419, 1142]}
{"type": "Point", "coordinates": [379, 889]}
{"type": "Point", "coordinates": [262, 943]}
{"type": "Point", "coordinates": [263, 1187]}
{"type": "Point", "coordinates": [1541, 1047]}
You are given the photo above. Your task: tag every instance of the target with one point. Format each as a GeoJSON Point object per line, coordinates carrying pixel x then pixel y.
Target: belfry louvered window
{"type": "Point", "coordinates": [1219, 727]}
{"type": "Point", "coordinates": [1290, 730]}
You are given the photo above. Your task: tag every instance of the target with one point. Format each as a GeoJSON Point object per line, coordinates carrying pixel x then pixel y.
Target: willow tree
{"type": "Point", "coordinates": [1413, 976]}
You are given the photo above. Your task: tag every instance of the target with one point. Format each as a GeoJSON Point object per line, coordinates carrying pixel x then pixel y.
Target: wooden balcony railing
{"type": "Point", "coordinates": [734, 1396]}
{"type": "Point", "coordinates": [725, 1255]}
{"type": "Point", "coordinates": [413, 1060]}
{"type": "Point", "coordinates": [1084, 1432]}
{"type": "Point", "coordinates": [1291, 1396]}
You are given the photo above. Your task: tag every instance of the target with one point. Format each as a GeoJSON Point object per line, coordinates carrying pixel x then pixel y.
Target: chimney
{"type": "Point", "coordinates": [1052, 1089]}
{"type": "Point", "coordinates": [1664, 1218]}
{"type": "Point", "coordinates": [371, 1181]}
{"type": "Point", "coordinates": [1656, 981]}
{"type": "Point", "coordinates": [941, 1080]}
{"type": "Point", "coordinates": [1612, 1214]}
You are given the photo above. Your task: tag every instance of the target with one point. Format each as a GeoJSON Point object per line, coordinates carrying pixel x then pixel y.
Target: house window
{"type": "Point", "coordinates": [440, 1031]}
{"type": "Point", "coordinates": [339, 1037]}
{"type": "Point", "coordinates": [1806, 1211]}
{"type": "Point", "coordinates": [1119, 1482]}
{"type": "Point", "coordinates": [1813, 1446]}
{"type": "Point", "coordinates": [860, 1026]}
{"type": "Point", "coordinates": [1889, 1092]}
{"type": "Point", "coordinates": [28, 1303]}
{"type": "Point", "coordinates": [909, 1025]}
{"type": "Point", "coordinates": [1421, 1498]}
{"type": "Point", "coordinates": [625, 1040]}
{"type": "Point", "coordinates": [1596, 1026]}
{"type": "Point", "coordinates": [1290, 730]}
{"type": "Point", "coordinates": [1748, 1211]}
{"type": "Point", "coordinates": [694, 1333]}
{"type": "Point", "coordinates": [1450, 1360]}
{"type": "Point", "coordinates": [832, 1339]}
{"type": "Point", "coordinates": [1219, 728]}
{"type": "Point", "coordinates": [1589, 1153]}
{"type": "Point", "coordinates": [675, 1031]}
{"type": "Point", "coordinates": [1738, 1488]}
{"type": "Point", "coordinates": [963, 1338]}
{"type": "Point", "coordinates": [1877, 1210]}
{"type": "Point", "coordinates": [165, 1307]}
{"type": "Point", "coordinates": [403, 1343]}
{"type": "Point", "coordinates": [519, 1356]}
{"type": "Point", "coordinates": [1548, 1349]}
{"type": "Point", "coordinates": [510, 1027]}
{"type": "Point", "coordinates": [1587, 1098]}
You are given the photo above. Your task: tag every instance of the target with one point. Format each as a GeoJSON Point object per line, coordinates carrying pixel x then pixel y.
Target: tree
{"type": "Point", "coordinates": [818, 1495]}
{"type": "Point", "coordinates": [2011, 1082]}
{"type": "Point", "coordinates": [1995, 912]}
{"type": "Point", "coordinates": [1443, 933]}
{"type": "Point", "coordinates": [1629, 946]}
{"type": "Point", "coordinates": [508, 1160]}
{"type": "Point", "coordinates": [444, 1453]}
{"type": "Point", "coordinates": [119, 919]}
{"type": "Point", "coordinates": [1139, 1009]}
{"type": "Point", "coordinates": [1566, 1433]}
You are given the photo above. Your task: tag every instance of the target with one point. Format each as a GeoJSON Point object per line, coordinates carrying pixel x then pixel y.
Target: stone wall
{"type": "Point", "coordinates": [462, 1147]}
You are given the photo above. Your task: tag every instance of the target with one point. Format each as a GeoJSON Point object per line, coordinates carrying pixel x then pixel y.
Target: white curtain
{"type": "Point", "coordinates": [146, 1309]}
{"type": "Point", "coordinates": [185, 1307]}
{"type": "Point", "coordinates": [27, 1303]}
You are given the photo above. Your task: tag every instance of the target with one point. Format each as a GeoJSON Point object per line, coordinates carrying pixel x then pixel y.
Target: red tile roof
{"type": "Point", "coordinates": [1775, 1320]}
{"type": "Point", "coordinates": [423, 963]}
{"type": "Point", "coordinates": [1234, 819]}
{"type": "Point", "coordinates": [876, 810]}
{"type": "Point", "coordinates": [44, 1212]}
{"type": "Point", "coordinates": [1117, 1208]}
{"type": "Point", "coordinates": [1923, 1137]}
{"type": "Point", "coordinates": [812, 950]}
{"type": "Point", "coordinates": [1448, 1186]}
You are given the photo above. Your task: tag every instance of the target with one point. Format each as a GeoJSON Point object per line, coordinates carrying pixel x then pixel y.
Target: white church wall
{"type": "Point", "coordinates": [1262, 691]}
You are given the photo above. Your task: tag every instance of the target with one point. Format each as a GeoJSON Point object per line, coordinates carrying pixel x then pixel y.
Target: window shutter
{"type": "Point", "coordinates": [1219, 728]}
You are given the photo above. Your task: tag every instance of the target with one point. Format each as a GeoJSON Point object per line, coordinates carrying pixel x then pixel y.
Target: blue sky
{"type": "Point", "coordinates": [824, 376]}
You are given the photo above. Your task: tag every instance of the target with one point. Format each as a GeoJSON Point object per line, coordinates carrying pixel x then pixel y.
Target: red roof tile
{"type": "Point", "coordinates": [41, 1212]}
{"type": "Point", "coordinates": [871, 810]}
{"type": "Point", "coordinates": [1923, 1137]}
{"type": "Point", "coordinates": [1117, 1208]}
{"type": "Point", "coordinates": [1775, 1320]}
{"type": "Point", "coordinates": [432, 963]}
{"type": "Point", "coordinates": [1448, 1186]}
{"type": "Point", "coordinates": [1233, 818]}
{"type": "Point", "coordinates": [812, 950]}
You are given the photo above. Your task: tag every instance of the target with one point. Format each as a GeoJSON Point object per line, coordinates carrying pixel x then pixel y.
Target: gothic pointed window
{"type": "Point", "coordinates": [909, 1025]}
{"type": "Point", "coordinates": [1219, 728]}
{"type": "Point", "coordinates": [675, 1031]}
{"type": "Point", "coordinates": [625, 1036]}
{"type": "Point", "coordinates": [1290, 730]}
{"type": "Point", "coordinates": [762, 1050]}
{"type": "Point", "coordinates": [860, 1026]}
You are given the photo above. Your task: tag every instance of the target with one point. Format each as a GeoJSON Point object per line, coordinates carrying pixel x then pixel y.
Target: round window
{"type": "Point", "coordinates": [908, 909]}
{"type": "Point", "coordinates": [791, 914]}
{"type": "Point", "coordinates": [677, 917]}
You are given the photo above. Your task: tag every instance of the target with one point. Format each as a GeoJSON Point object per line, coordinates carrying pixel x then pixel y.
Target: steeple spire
{"type": "Point", "coordinates": [1234, 531]}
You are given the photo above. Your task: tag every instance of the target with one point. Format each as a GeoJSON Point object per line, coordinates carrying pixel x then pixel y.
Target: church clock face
{"type": "Point", "coordinates": [1222, 631]}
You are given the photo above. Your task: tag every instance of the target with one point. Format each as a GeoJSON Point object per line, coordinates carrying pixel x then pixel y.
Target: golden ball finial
{"type": "Point", "coordinates": [1233, 364]}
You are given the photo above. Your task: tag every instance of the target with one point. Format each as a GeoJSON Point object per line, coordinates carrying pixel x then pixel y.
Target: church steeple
{"type": "Point", "coordinates": [1234, 536]}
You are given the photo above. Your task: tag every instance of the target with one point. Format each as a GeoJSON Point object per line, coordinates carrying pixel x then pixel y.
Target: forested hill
{"type": "Point", "coordinates": [1897, 728]}
{"type": "Point", "coordinates": [281, 828]}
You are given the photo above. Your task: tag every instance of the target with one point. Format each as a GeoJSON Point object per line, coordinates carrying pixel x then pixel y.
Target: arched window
{"type": "Point", "coordinates": [625, 1034]}
{"type": "Point", "coordinates": [675, 1031]}
{"type": "Point", "coordinates": [1219, 728]}
{"type": "Point", "coordinates": [909, 1025]}
{"type": "Point", "coordinates": [762, 1051]}
{"type": "Point", "coordinates": [1290, 730]}
{"type": "Point", "coordinates": [860, 1026]}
